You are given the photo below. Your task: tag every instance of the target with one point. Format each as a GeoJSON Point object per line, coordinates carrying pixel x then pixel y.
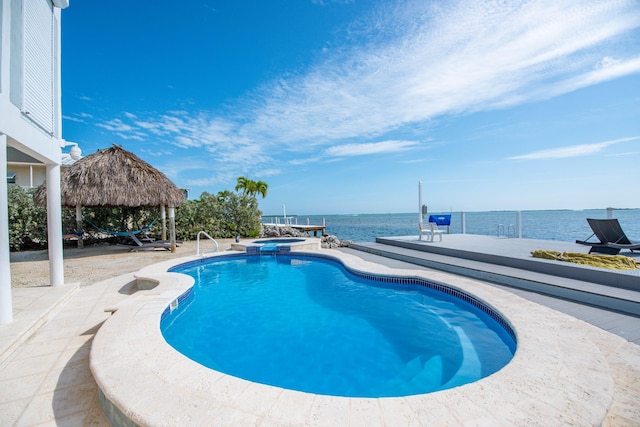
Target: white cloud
{"type": "Point", "coordinates": [424, 59]}
{"type": "Point", "coordinates": [369, 148]}
{"type": "Point", "coordinates": [78, 117]}
{"type": "Point", "coordinates": [116, 125]}
{"type": "Point", "coordinates": [133, 135]}
{"type": "Point", "coordinates": [204, 182]}
{"type": "Point", "coordinates": [325, 2]}
{"type": "Point", "coordinates": [402, 66]}
{"type": "Point", "coordinates": [605, 71]}
{"type": "Point", "coordinates": [157, 153]}
{"type": "Point", "coordinates": [572, 151]}
{"type": "Point", "coordinates": [73, 119]}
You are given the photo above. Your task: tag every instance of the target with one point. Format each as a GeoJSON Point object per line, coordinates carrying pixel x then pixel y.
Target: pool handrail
{"type": "Point", "coordinates": [198, 243]}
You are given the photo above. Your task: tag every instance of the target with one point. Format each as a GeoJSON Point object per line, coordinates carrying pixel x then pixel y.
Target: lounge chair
{"type": "Point", "coordinates": [610, 235]}
{"type": "Point", "coordinates": [138, 245]}
{"type": "Point", "coordinates": [73, 235]}
{"type": "Point", "coordinates": [147, 246]}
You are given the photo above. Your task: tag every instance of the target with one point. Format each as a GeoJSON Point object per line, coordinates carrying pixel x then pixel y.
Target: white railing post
{"type": "Point", "coordinates": [463, 221]}
{"type": "Point", "coordinates": [198, 242]}
{"type": "Point", "coordinates": [420, 213]}
{"type": "Point", "coordinates": [519, 224]}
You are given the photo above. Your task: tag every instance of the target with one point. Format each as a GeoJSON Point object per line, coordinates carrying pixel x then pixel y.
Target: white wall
{"type": "Point", "coordinates": [40, 139]}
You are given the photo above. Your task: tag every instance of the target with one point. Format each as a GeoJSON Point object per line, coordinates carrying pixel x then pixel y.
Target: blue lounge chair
{"type": "Point", "coordinates": [610, 235]}
{"type": "Point", "coordinates": [138, 245]}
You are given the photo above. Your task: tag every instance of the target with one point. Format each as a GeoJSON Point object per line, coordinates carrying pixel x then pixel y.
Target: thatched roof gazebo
{"type": "Point", "coordinates": [115, 177]}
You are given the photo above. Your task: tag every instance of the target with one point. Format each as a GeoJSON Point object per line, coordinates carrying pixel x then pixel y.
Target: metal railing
{"type": "Point", "coordinates": [198, 242]}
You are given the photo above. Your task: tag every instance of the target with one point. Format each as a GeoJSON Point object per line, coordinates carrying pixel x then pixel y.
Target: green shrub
{"type": "Point", "coordinates": [224, 215]}
{"type": "Point", "coordinates": [27, 222]}
{"type": "Point", "coordinates": [119, 219]}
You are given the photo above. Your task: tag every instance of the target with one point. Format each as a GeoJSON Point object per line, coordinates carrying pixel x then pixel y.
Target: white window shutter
{"type": "Point", "coordinates": [38, 63]}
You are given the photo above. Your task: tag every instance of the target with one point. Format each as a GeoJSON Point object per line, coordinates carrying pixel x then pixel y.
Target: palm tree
{"type": "Point", "coordinates": [261, 188]}
{"type": "Point", "coordinates": [243, 183]}
{"type": "Point", "coordinates": [251, 187]}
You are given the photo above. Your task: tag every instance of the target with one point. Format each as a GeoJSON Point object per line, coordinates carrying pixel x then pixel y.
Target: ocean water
{"type": "Point", "coordinates": [562, 225]}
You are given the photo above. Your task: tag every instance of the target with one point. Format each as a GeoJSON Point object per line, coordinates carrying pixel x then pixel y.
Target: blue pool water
{"type": "Point", "coordinates": [307, 323]}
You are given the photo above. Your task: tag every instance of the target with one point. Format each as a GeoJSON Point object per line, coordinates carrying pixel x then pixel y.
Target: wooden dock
{"type": "Point", "coordinates": [303, 228]}
{"type": "Point", "coordinates": [309, 228]}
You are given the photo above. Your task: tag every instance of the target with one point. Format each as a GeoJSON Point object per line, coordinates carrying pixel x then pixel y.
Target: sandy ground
{"type": "Point", "coordinates": [96, 263]}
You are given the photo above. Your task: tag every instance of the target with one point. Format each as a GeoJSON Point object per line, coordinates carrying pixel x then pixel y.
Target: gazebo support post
{"type": "Point", "coordinates": [172, 228]}
{"type": "Point", "coordinates": [163, 218]}
{"type": "Point", "coordinates": [79, 226]}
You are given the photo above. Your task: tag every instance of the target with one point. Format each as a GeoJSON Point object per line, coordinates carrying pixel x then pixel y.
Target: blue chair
{"type": "Point", "coordinates": [441, 220]}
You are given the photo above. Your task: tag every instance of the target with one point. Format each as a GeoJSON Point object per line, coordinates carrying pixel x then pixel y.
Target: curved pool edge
{"type": "Point", "coordinates": [557, 373]}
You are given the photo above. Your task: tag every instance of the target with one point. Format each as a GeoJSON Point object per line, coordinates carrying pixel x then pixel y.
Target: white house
{"type": "Point", "coordinates": [27, 172]}
{"type": "Point", "coordinates": [31, 118]}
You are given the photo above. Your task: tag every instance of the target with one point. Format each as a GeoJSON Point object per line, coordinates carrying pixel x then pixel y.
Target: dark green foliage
{"type": "Point", "coordinates": [224, 215]}
{"type": "Point", "coordinates": [27, 222]}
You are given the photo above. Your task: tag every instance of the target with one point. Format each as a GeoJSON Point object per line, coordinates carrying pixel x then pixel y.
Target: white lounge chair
{"type": "Point", "coordinates": [430, 229]}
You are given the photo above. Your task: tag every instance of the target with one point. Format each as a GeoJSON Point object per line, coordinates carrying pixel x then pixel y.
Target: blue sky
{"type": "Point", "coordinates": [343, 106]}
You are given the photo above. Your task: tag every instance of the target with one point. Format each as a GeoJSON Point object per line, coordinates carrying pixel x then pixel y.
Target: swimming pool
{"type": "Point", "coordinates": [557, 372]}
{"type": "Point", "coordinates": [309, 324]}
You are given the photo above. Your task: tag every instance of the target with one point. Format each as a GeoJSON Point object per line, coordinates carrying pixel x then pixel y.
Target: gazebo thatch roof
{"type": "Point", "coordinates": [114, 177]}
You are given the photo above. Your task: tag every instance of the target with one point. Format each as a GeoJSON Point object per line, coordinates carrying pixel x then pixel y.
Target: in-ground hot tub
{"type": "Point", "coordinates": [279, 241]}
{"type": "Point", "coordinates": [284, 244]}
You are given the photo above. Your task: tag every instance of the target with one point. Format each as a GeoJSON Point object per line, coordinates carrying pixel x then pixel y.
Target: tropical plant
{"type": "Point", "coordinates": [27, 222]}
{"type": "Point", "coordinates": [243, 183]}
{"type": "Point", "coordinates": [251, 188]}
{"type": "Point", "coordinates": [223, 215]}
{"type": "Point", "coordinates": [261, 188]}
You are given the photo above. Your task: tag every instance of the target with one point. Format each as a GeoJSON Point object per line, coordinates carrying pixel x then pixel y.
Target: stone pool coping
{"type": "Point", "coordinates": [558, 373]}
